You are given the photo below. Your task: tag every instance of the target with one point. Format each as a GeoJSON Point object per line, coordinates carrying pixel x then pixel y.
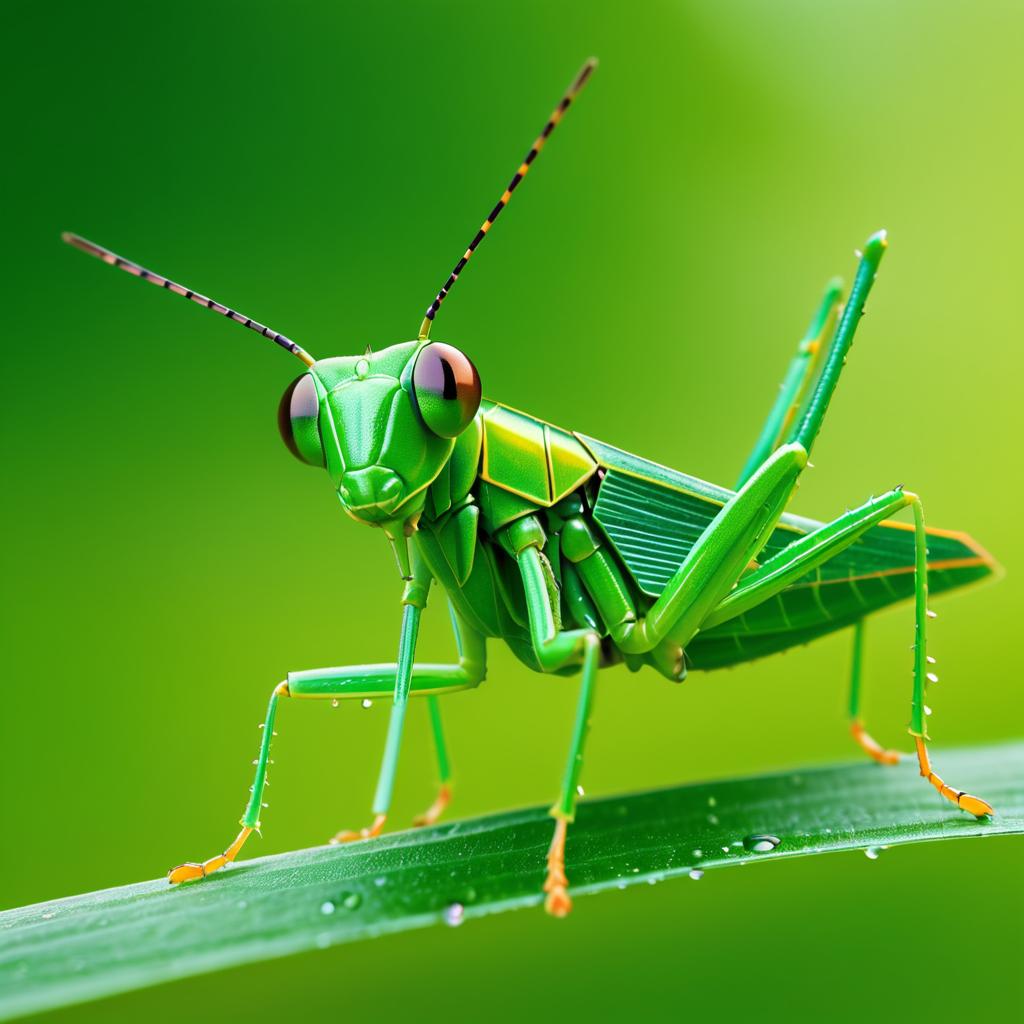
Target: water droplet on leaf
{"type": "Point", "coordinates": [696, 874]}
{"type": "Point", "coordinates": [454, 915]}
{"type": "Point", "coordinates": [761, 843]}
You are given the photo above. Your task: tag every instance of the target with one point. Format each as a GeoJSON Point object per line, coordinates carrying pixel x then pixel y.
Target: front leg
{"type": "Point", "coordinates": [347, 683]}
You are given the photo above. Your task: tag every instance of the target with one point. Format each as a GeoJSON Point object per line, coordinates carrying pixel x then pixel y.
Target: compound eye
{"type": "Point", "coordinates": [298, 421]}
{"type": "Point", "coordinates": [446, 387]}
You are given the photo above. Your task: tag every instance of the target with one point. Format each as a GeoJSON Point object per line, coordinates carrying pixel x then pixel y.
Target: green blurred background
{"type": "Point", "coordinates": [321, 167]}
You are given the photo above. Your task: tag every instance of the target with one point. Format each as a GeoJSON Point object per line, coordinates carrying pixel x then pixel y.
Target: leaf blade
{"type": "Point", "coordinates": [85, 947]}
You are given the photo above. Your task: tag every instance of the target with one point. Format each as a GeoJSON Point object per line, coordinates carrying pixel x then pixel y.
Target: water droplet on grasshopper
{"type": "Point", "coordinates": [454, 915]}
{"type": "Point", "coordinates": [696, 874]}
{"type": "Point", "coordinates": [366, 703]}
{"type": "Point", "coordinates": [872, 853]}
{"type": "Point", "coordinates": [335, 702]}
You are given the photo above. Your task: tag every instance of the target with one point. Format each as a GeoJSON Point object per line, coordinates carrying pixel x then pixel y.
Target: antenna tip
{"type": "Point", "coordinates": [589, 65]}
{"type": "Point", "coordinates": [81, 243]}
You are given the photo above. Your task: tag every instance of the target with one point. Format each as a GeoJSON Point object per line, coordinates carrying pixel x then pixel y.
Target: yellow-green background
{"type": "Point", "coordinates": [321, 166]}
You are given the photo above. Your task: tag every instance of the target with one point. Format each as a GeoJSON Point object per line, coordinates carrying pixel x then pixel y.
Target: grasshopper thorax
{"type": "Point", "coordinates": [382, 424]}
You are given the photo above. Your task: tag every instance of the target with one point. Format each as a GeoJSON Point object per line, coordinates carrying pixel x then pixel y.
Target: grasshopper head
{"type": "Point", "coordinates": [383, 425]}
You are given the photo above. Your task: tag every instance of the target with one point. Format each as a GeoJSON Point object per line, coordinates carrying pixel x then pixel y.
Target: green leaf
{"type": "Point", "coordinates": [67, 951]}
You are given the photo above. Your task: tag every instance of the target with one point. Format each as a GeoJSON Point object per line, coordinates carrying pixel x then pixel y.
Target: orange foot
{"type": "Point", "coordinates": [191, 870]}
{"type": "Point", "coordinates": [557, 902]}
{"type": "Point", "coordinates": [350, 835]}
{"type": "Point", "coordinates": [971, 804]}
{"type": "Point", "coordinates": [871, 747]}
{"type": "Point", "coordinates": [436, 809]}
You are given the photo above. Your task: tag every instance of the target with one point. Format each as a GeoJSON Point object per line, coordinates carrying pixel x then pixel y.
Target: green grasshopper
{"type": "Point", "coordinates": [579, 555]}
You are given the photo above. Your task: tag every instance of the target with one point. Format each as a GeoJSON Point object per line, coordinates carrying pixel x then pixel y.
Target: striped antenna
{"type": "Point", "coordinates": [147, 275]}
{"type": "Point", "coordinates": [524, 167]}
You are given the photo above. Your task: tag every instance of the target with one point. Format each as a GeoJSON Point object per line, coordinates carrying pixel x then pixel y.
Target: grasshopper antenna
{"type": "Point", "coordinates": [147, 275]}
{"type": "Point", "coordinates": [556, 116]}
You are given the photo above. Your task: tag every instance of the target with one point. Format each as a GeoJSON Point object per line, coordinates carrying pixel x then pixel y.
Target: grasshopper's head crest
{"type": "Point", "coordinates": [382, 424]}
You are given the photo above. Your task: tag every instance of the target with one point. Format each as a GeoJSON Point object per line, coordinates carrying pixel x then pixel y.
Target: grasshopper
{"type": "Point", "coordinates": [580, 555]}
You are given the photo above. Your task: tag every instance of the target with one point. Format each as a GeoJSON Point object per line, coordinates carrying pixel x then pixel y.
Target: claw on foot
{"type": "Point", "coordinates": [965, 801]}
{"type": "Point", "coordinates": [871, 747]}
{"type": "Point", "coordinates": [191, 870]}
{"type": "Point", "coordinates": [371, 832]}
{"type": "Point", "coordinates": [436, 809]}
{"type": "Point", "coordinates": [556, 884]}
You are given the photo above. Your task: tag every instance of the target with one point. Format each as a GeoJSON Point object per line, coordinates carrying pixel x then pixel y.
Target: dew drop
{"type": "Point", "coordinates": [932, 677]}
{"type": "Point", "coordinates": [927, 710]}
{"type": "Point", "coordinates": [580, 791]}
{"type": "Point", "coordinates": [712, 819]}
{"type": "Point", "coordinates": [380, 881]}
{"type": "Point", "coordinates": [696, 874]}
{"type": "Point", "coordinates": [335, 702]}
{"type": "Point", "coordinates": [327, 907]}
{"type": "Point", "coordinates": [698, 854]}
{"type": "Point", "coordinates": [367, 703]}
{"type": "Point", "coordinates": [454, 915]}
{"type": "Point", "coordinates": [351, 900]}
{"type": "Point", "coordinates": [760, 843]}
{"type": "Point", "coordinates": [725, 849]}
{"type": "Point", "coordinates": [872, 853]}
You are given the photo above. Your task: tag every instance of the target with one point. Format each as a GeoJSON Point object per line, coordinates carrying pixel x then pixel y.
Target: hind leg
{"type": "Point", "coordinates": [965, 801]}
{"type": "Point", "coordinates": [800, 371]}
{"type": "Point", "coordinates": [811, 550]}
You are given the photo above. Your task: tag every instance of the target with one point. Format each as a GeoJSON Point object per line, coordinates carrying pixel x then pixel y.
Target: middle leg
{"type": "Point", "coordinates": [556, 649]}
